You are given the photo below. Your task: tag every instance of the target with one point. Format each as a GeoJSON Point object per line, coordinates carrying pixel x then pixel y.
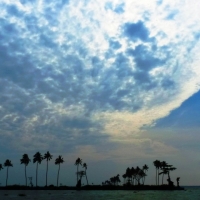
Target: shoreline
{"type": "Point", "coordinates": [97, 187]}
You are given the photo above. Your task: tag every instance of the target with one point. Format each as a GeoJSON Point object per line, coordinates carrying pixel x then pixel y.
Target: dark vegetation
{"type": "Point", "coordinates": [133, 178]}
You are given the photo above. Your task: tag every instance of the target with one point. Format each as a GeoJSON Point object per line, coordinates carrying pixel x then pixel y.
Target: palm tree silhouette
{"type": "Point", "coordinates": [58, 161]}
{"type": "Point", "coordinates": [85, 166]}
{"type": "Point", "coordinates": [157, 164]}
{"type": "Point", "coordinates": [7, 164]}
{"type": "Point", "coordinates": [48, 157]}
{"type": "Point", "coordinates": [124, 177]}
{"type": "Point", "coordinates": [1, 167]}
{"type": "Point", "coordinates": [145, 169]}
{"type": "Point", "coordinates": [25, 160]}
{"type": "Point", "coordinates": [164, 167]}
{"type": "Point", "coordinates": [77, 163]}
{"type": "Point", "coordinates": [37, 158]}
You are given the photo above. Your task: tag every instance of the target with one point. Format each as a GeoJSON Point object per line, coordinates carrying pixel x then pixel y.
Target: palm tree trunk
{"type": "Point", "coordinates": [46, 172]}
{"type": "Point", "coordinates": [7, 176]}
{"type": "Point", "coordinates": [158, 176]}
{"type": "Point", "coordinates": [77, 173]}
{"type": "Point", "coordinates": [58, 174]}
{"type": "Point", "coordinates": [25, 175]}
{"type": "Point", "coordinates": [36, 174]}
{"type": "Point", "coordinates": [86, 176]}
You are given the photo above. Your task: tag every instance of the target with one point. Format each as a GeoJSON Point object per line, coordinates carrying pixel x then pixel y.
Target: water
{"type": "Point", "coordinates": [191, 193]}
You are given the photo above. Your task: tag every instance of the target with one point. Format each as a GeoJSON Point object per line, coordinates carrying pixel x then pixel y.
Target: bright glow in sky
{"type": "Point", "coordinates": [108, 81]}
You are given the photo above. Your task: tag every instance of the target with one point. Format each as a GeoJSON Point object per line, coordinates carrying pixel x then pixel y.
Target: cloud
{"type": "Point", "coordinates": [72, 69]}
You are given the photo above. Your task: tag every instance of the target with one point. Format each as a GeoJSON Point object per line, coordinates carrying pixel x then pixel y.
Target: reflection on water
{"type": "Point", "coordinates": [190, 193]}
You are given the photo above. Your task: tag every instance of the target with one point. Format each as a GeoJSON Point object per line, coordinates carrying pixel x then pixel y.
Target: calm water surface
{"type": "Point", "coordinates": [191, 193]}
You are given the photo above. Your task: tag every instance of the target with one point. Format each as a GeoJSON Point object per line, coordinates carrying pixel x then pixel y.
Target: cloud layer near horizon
{"type": "Point", "coordinates": [80, 72]}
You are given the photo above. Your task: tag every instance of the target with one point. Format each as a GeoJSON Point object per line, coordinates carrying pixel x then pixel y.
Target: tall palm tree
{"type": "Point", "coordinates": [25, 160]}
{"type": "Point", "coordinates": [124, 177]}
{"type": "Point", "coordinates": [7, 164]}
{"type": "Point", "coordinates": [77, 163]}
{"type": "Point", "coordinates": [48, 157]}
{"type": "Point", "coordinates": [145, 169]}
{"type": "Point", "coordinates": [58, 161]}
{"type": "Point", "coordinates": [85, 166]}
{"type": "Point", "coordinates": [157, 164]}
{"type": "Point", "coordinates": [37, 158]}
{"type": "Point", "coordinates": [164, 167]}
{"type": "Point", "coordinates": [1, 167]}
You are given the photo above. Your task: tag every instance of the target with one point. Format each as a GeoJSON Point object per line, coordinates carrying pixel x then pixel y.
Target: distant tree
{"type": "Point", "coordinates": [58, 161]}
{"type": "Point", "coordinates": [77, 163]}
{"type": "Point", "coordinates": [1, 167]}
{"type": "Point", "coordinates": [157, 164]}
{"type": "Point", "coordinates": [164, 167]}
{"type": "Point", "coordinates": [80, 174]}
{"type": "Point", "coordinates": [124, 177]}
{"type": "Point", "coordinates": [7, 164]}
{"type": "Point", "coordinates": [129, 175]}
{"type": "Point", "coordinates": [117, 180]}
{"type": "Point", "coordinates": [145, 169]}
{"type": "Point", "coordinates": [25, 160]}
{"type": "Point", "coordinates": [85, 166]}
{"type": "Point", "coordinates": [133, 175]}
{"type": "Point", "coordinates": [37, 158]}
{"type": "Point", "coordinates": [47, 157]}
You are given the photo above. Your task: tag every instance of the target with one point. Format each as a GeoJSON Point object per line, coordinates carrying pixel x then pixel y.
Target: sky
{"type": "Point", "coordinates": [115, 83]}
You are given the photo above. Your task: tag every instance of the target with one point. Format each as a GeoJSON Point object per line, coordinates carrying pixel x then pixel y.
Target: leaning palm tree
{"type": "Point", "coordinates": [7, 164]}
{"type": "Point", "coordinates": [25, 160]}
{"type": "Point", "coordinates": [58, 161]}
{"type": "Point", "coordinates": [48, 157]}
{"type": "Point", "coordinates": [37, 158]}
{"type": "Point", "coordinates": [85, 166]}
{"type": "Point", "coordinates": [77, 163]}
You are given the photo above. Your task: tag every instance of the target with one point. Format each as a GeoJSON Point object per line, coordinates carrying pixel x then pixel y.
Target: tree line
{"type": "Point", "coordinates": [38, 158]}
{"type": "Point", "coordinates": [132, 176]}
{"type": "Point", "coordinates": [136, 176]}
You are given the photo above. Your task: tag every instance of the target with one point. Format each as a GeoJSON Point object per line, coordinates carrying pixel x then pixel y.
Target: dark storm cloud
{"type": "Point", "coordinates": [135, 31]}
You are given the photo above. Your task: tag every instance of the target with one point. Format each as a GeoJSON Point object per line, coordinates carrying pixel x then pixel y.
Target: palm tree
{"type": "Point", "coordinates": [7, 164]}
{"type": "Point", "coordinates": [164, 165]}
{"type": "Point", "coordinates": [145, 169]}
{"type": "Point", "coordinates": [157, 164]}
{"type": "Point", "coordinates": [37, 158]}
{"type": "Point", "coordinates": [58, 161]}
{"type": "Point", "coordinates": [85, 166]}
{"type": "Point", "coordinates": [124, 176]}
{"type": "Point", "coordinates": [48, 157]}
{"type": "Point", "coordinates": [1, 167]}
{"type": "Point", "coordinates": [77, 163]}
{"type": "Point", "coordinates": [25, 160]}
